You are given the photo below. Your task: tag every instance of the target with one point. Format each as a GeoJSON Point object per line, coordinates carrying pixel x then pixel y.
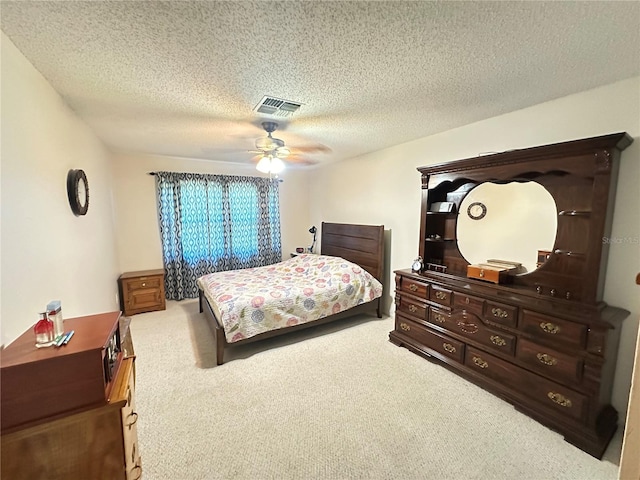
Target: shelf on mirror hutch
{"type": "Point", "coordinates": [540, 336]}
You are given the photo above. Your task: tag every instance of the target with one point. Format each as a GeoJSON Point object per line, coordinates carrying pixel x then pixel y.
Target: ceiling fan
{"type": "Point", "coordinates": [271, 151]}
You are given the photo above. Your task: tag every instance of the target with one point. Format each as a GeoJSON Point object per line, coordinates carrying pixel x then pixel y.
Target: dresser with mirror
{"type": "Point", "coordinates": [509, 291]}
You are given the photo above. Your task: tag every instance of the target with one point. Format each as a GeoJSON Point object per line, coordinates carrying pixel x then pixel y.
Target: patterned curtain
{"type": "Point", "coordinates": [211, 223]}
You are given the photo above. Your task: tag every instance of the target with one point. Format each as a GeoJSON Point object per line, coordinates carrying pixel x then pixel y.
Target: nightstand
{"type": "Point", "coordinates": [142, 291]}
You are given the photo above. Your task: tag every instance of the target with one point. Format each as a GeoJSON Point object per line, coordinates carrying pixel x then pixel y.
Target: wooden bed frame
{"type": "Point", "coordinates": [361, 244]}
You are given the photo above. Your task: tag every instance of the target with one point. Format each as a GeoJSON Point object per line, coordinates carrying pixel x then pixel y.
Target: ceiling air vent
{"type": "Point", "coordinates": [276, 107]}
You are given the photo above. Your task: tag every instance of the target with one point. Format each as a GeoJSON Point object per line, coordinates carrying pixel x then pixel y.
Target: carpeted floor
{"type": "Point", "coordinates": [337, 401]}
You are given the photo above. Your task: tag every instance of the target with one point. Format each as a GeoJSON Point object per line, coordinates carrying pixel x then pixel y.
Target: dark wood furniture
{"type": "Point", "coordinates": [63, 415]}
{"type": "Point", "coordinates": [360, 244]}
{"type": "Point", "coordinates": [142, 291]}
{"type": "Point", "coordinates": [545, 341]}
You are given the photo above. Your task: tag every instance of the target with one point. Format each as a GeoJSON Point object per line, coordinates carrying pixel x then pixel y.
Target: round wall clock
{"type": "Point", "coordinates": [78, 192]}
{"type": "Point", "coordinates": [477, 210]}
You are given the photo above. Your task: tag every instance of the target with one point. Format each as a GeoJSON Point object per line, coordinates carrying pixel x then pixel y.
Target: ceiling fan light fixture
{"type": "Point", "coordinates": [264, 165]}
{"type": "Point", "coordinates": [270, 164]}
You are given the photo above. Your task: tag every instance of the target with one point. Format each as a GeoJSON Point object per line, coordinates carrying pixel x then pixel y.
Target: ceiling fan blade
{"type": "Point", "coordinates": [316, 148]}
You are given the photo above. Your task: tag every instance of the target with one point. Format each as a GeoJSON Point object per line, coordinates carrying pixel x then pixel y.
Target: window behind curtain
{"type": "Point", "coordinates": [211, 223]}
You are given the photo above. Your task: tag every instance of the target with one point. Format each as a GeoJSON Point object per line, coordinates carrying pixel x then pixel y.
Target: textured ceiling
{"type": "Point", "coordinates": [181, 78]}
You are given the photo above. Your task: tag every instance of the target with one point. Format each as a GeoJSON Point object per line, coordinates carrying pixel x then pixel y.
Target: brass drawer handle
{"type": "Point", "coordinates": [480, 362]}
{"type": "Point", "coordinates": [560, 399]}
{"type": "Point", "coordinates": [144, 284]}
{"type": "Point", "coordinates": [413, 308]}
{"type": "Point", "coordinates": [135, 419]}
{"type": "Point", "coordinates": [497, 340]}
{"type": "Point", "coordinates": [549, 327]}
{"type": "Point", "coordinates": [499, 313]}
{"type": "Point", "coordinates": [413, 287]}
{"type": "Point", "coordinates": [439, 318]}
{"type": "Point", "coordinates": [468, 327]}
{"type": "Point", "coordinates": [449, 348]}
{"type": "Point", "coordinates": [466, 300]}
{"type": "Point", "coordinates": [405, 327]}
{"type": "Point", "coordinates": [441, 295]}
{"type": "Point", "coordinates": [547, 359]}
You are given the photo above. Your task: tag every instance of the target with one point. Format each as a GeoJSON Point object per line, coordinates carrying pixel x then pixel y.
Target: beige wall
{"type": "Point", "coordinates": [138, 234]}
{"type": "Point", "coordinates": [48, 253]}
{"type": "Point", "coordinates": [383, 187]}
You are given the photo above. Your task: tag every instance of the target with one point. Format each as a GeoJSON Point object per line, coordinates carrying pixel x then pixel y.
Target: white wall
{"type": "Point", "coordinates": [48, 253]}
{"type": "Point", "coordinates": [383, 187]}
{"type": "Point", "coordinates": [138, 233]}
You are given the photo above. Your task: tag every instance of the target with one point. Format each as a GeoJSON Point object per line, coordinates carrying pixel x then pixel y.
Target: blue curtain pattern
{"type": "Point", "coordinates": [213, 223]}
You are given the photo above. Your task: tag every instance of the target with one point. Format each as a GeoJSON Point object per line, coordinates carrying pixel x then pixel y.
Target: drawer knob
{"type": "Point", "coordinates": [499, 313]}
{"type": "Point", "coordinates": [144, 284]}
{"type": "Point", "coordinates": [560, 399]}
{"type": "Point", "coordinates": [413, 287]}
{"type": "Point", "coordinates": [439, 318]}
{"type": "Point", "coordinates": [497, 340]}
{"type": "Point", "coordinates": [449, 348]}
{"type": "Point", "coordinates": [480, 362]}
{"type": "Point", "coordinates": [441, 295]}
{"type": "Point", "coordinates": [466, 300]}
{"type": "Point", "coordinates": [134, 416]}
{"type": "Point", "coordinates": [547, 359]}
{"type": "Point", "coordinates": [413, 308]}
{"type": "Point", "coordinates": [549, 327]}
{"type": "Point", "coordinates": [405, 327]}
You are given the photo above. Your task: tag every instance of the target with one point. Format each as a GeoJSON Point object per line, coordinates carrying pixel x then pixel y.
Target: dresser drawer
{"type": "Point", "coordinates": [143, 283]}
{"type": "Point", "coordinates": [543, 391]}
{"type": "Point", "coordinates": [468, 303]}
{"type": "Point", "coordinates": [550, 362]}
{"type": "Point", "coordinates": [412, 307]}
{"type": "Point", "coordinates": [413, 287]}
{"type": "Point", "coordinates": [501, 313]}
{"type": "Point", "coordinates": [438, 317]}
{"type": "Point", "coordinates": [554, 329]}
{"type": "Point", "coordinates": [472, 327]}
{"type": "Point", "coordinates": [435, 341]}
{"type": "Point", "coordinates": [440, 295]}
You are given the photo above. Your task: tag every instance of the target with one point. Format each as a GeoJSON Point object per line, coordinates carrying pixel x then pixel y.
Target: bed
{"type": "Point", "coordinates": [360, 254]}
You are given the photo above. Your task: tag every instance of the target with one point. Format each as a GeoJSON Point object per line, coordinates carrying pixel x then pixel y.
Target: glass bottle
{"type": "Point", "coordinates": [44, 331]}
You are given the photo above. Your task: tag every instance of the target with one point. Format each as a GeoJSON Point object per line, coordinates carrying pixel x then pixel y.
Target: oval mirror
{"type": "Point", "coordinates": [513, 222]}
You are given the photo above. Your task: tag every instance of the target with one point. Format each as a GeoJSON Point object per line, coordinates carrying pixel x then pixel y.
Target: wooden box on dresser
{"type": "Point", "coordinates": [544, 341]}
{"type": "Point", "coordinates": [61, 432]}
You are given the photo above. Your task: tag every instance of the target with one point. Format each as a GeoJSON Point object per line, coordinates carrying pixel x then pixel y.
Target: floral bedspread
{"type": "Point", "coordinates": [299, 290]}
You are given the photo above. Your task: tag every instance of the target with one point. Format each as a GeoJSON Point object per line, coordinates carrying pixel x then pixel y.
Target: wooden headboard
{"type": "Point", "coordinates": [361, 244]}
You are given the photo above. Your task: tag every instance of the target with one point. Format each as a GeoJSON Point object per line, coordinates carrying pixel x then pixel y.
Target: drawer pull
{"type": "Point", "coordinates": [559, 399]}
{"type": "Point", "coordinates": [135, 419]}
{"type": "Point", "coordinates": [449, 348]}
{"type": "Point", "coordinates": [468, 327]}
{"type": "Point", "coordinates": [439, 318]}
{"type": "Point", "coordinates": [480, 362]}
{"type": "Point", "coordinates": [139, 468]}
{"type": "Point", "coordinates": [144, 284]}
{"type": "Point", "coordinates": [441, 295]}
{"type": "Point", "coordinates": [499, 313]}
{"type": "Point", "coordinates": [405, 327]}
{"type": "Point", "coordinates": [497, 340]}
{"type": "Point", "coordinates": [466, 300]}
{"type": "Point", "coordinates": [413, 308]}
{"type": "Point", "coordinates": [413, 287]}
{"type": "Point", "coordinates": [549, 327]}
{"type": "Point", "coordinates": [547, 359]}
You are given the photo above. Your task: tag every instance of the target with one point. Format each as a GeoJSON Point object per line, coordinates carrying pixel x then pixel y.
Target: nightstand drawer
{"type": "Point", "coordinates": [143, 282]}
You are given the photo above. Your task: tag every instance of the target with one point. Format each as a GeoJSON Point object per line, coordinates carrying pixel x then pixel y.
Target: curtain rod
{"type": "Point", "coordinates": [155, 173]}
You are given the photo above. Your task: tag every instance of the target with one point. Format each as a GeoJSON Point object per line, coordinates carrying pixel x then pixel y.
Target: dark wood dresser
{"type": "Point", "coordinates": [142, 291]}
{"type": "Point", "coordinates": [542, 340]}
